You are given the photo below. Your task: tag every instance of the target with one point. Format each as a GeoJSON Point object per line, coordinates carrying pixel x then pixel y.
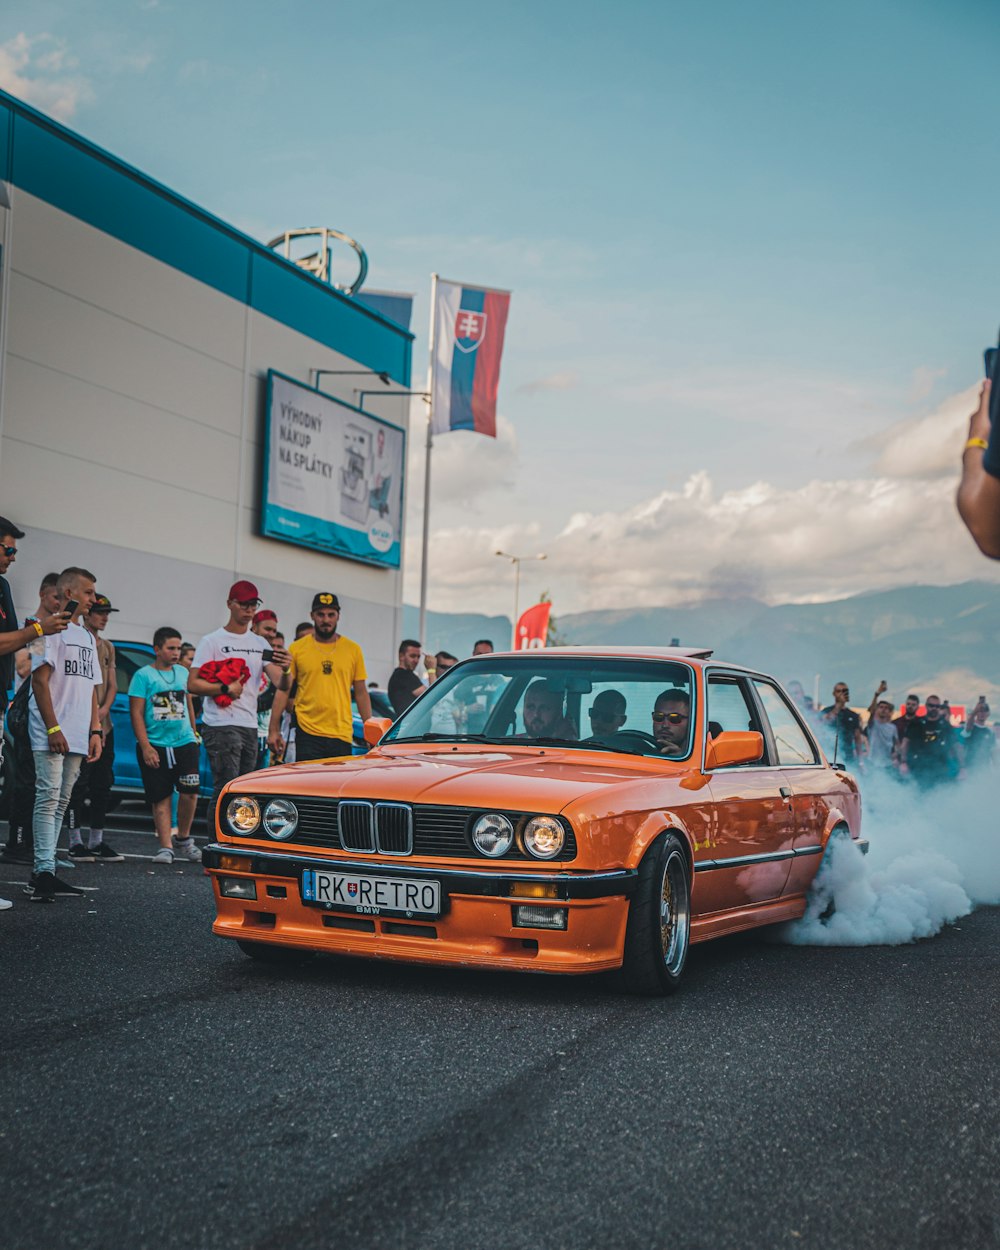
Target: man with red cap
{"type": "Point", "coordinates": [229, 719]}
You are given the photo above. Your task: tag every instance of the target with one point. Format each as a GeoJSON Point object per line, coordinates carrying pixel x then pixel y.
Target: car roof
{"type": "Point", "coordinates": [699, 656]}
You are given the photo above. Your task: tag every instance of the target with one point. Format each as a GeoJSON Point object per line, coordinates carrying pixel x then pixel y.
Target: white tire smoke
{"type": "Point", "coordinates": [934, 856]}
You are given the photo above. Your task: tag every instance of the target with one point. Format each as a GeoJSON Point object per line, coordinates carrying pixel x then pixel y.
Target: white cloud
{"type": "Point", "coordinates": [823, 540]}
{"type": "Point", "coordinates": [468, 471]}
{"type": "Point", "coordinates": [38, 69]}
{"type": "Point", "coordinates": [927, 446]}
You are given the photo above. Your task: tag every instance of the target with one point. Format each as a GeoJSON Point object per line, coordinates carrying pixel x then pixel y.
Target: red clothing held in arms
{"type": "Point", "coordinates": [224, 671]}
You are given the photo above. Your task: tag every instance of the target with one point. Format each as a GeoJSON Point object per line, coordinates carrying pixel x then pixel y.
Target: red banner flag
{"type": "Point", "coordinates": [532, 627]}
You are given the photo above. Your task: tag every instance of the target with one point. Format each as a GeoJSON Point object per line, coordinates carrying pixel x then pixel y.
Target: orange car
{"type": "Point", "coordinates": [567, 810]}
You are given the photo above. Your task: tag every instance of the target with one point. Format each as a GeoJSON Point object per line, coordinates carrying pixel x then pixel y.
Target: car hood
{"type": "Point", "coordinates": [542, 780]}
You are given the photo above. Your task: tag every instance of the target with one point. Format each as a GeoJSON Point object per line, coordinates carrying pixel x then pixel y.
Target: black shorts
{"type": "Point", "coordinates": [178, 770]}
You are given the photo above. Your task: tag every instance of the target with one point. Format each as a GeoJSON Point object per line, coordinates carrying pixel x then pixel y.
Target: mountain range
{"type": "Point", "coordinates": [940, 639]}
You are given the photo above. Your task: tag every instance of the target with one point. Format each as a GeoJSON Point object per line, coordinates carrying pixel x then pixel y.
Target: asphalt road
{"type": "Point", "coordinates": [161, 1090]}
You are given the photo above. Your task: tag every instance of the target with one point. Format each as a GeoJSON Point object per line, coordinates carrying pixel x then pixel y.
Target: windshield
{"type": "Point", "coordinates": [641, 707]}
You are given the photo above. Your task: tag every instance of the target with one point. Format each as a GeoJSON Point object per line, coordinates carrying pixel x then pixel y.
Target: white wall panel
{"type": "Point", "coordinates": [71, 256]}
{"type": "Point", "coordinates": [67, 334]}
{"type": "Point", "coordinates": [53, 410]}
{"type": "Point", "coordinates": [44, 487]}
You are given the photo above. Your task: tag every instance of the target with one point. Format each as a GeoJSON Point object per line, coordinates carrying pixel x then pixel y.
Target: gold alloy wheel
{"type": "Point", "coordinates": [675, 912]}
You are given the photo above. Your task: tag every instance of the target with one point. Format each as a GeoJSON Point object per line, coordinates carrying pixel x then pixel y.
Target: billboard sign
{"type": "Point", "coordinates": [333, 475]}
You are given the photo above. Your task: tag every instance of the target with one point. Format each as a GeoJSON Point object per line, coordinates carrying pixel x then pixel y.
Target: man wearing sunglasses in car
{"type": "Point", "coordinates": [671, 714]}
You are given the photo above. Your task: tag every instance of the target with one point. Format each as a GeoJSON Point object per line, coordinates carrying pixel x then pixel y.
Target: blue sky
{"type": "Point", "coordinates": [749, 248]}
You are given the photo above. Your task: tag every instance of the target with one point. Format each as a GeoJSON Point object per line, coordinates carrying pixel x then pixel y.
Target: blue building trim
{"type": "Point", "coordinates": [50, 162]}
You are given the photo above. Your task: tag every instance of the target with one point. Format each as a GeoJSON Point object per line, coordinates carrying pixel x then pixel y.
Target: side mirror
{"type": "Point", "coordinates": [377, 726]}
{"type": "Point", "coordinates": [734, 747]}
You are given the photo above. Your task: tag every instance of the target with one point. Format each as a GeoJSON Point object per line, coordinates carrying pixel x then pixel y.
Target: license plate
{"type": "Point", "coordinates": [371, 896]}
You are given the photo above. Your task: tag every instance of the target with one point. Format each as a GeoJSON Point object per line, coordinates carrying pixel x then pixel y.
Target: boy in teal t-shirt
{"type": "Point", "coordinates": [167, 744]}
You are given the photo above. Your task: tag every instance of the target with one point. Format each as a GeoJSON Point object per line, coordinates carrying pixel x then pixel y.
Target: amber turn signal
{"type": "Point", "coordinates": [533, 889]}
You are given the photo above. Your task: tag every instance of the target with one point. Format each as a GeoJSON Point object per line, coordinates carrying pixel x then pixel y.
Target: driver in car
{"type": "Point", "coordinates": [542, 712]}
{"type": "Point", "coordinates": [671, 714]}
{"type": "Point", "coordinates": [607, 713]}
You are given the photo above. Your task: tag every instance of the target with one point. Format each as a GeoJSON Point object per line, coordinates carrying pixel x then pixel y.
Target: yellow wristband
{"type": "Point", "coordinates": [976, 442]}
{"type": "Point", "coordinates": [37, 627]}
{"type": "Point", "coordinates": [54, 730]}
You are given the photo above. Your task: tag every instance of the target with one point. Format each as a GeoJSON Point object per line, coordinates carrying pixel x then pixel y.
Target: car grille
{"type": "Point", "coordinates": [393, 828]}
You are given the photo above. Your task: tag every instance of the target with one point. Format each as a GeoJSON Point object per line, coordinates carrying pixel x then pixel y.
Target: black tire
{"type": "Point", "coordinates": [658, 932]}
{"type": "Point", "coordinates": [267, 953]}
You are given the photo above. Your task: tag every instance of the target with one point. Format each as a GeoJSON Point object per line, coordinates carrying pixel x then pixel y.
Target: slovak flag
{"type": "Point", "coordinates": [469, 324]}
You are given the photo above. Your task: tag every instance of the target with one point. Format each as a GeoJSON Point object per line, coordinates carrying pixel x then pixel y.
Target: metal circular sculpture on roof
{"type": "Point", "coordinates": [320, 262]}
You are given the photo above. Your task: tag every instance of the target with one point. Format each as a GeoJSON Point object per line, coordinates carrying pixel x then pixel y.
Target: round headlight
{"type": "Point", "coordinates": [544, 837]}
{"type": "Point", "coordinates": [493, 834]}
{"type": "Point", "coordinates": [281, 818]}
{"type": "Point", "coordinates": [243, 815]}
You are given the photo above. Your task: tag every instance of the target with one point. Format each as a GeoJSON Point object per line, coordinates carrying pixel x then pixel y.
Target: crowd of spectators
{"type": "Point", "coordinates": [924, 743]}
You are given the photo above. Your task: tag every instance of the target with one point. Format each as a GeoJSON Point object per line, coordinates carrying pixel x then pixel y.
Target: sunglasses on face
{"type": "Point", "coordinates": [10, 551]}
{"type": "Point", "coordinates": [673, 718]}
{"type": "Point", "coordinates": [249, 603]}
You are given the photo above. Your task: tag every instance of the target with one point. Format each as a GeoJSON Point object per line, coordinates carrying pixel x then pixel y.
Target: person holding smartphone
{"type": "Point", "coordinates": [229, 728]}
{"type": "Point", "coordinates": [64, 726]}
{"type": "Point", "coordinates": [978, 496]}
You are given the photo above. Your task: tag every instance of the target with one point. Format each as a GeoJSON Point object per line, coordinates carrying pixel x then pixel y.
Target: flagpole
{"type": "Point", "coordinates": [427, 463]}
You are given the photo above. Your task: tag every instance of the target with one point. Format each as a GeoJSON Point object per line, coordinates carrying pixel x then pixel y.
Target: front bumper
{"type": "Point", "coordinates": [476, 927]}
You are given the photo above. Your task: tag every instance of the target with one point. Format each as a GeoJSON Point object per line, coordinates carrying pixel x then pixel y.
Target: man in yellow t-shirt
{"type": "Point", "coordinates": [325, 668]}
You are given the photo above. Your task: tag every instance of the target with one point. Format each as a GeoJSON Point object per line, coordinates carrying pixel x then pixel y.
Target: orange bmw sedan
{"type": "Point", "coordinates": [568, 810]}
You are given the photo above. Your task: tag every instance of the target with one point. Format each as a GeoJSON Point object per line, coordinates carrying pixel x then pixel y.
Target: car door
{"type": "Point", "coordinates": [753, 829]}
{"type": "Point", "coordinates": [806, 779]}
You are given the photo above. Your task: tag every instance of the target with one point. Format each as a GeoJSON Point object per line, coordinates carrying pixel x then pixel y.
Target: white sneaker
{"type": "Point", "coordinates": [164, 856]}
{"type": "Point", "coordinates": [5, 902]}
{"type": "Point", "coordinates": [186, 849]}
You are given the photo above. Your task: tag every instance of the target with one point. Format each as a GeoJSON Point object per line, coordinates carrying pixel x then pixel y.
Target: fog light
{"type": "Point", "coordinates": [530, 917]}
{"type": "Point", "coordinates": [533, 889]}
{"type": "Point", "coordinates": [237, 887]}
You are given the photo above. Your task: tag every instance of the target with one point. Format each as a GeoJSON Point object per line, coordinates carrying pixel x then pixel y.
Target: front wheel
{"type": "Point", "coordinates": [658, 932]}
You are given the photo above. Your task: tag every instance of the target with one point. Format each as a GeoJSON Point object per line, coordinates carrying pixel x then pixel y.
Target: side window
{"type": "Point", "coordinates": [789, 738]}
{"type": "Point", "coordinates": [729, 708]}
{"type": "Point", "coordinates": [128, 662]}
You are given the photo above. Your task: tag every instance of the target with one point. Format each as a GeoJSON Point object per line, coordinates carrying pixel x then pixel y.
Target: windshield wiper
{"type": "Point", "coordinates": [436, 737]}
{"type": "Point", "coordinates": [577, 742]}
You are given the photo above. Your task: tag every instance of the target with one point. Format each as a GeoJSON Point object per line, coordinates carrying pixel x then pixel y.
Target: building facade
{"type": "Point", "coordinates": [137, 333]}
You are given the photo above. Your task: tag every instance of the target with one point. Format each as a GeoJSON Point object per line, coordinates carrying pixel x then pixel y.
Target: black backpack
{"type": "Point", "coordinates": [17, 712]}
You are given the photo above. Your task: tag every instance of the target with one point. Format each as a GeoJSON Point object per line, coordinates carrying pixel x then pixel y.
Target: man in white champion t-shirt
{"type": "Point", "coordinates": [229, 727]}
{"type": "Point", "coordinates": [63, 725]}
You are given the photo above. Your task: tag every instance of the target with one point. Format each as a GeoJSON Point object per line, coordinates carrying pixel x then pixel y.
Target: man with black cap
{"type": "Point", "coordinates": [229, 718]}
{"type": "Point", "coordinates": [326, 668]}
{"type": "Point", "coordinates": [96, 779]}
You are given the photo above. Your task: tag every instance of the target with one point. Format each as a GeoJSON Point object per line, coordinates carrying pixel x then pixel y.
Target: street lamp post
{"type": "Point", "coordinates": [516, 561]}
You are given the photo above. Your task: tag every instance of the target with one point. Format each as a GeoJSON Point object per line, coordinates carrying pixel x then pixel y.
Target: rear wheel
{"type": "Point", "coordinates": [266, 953]}
{"type": "Point", "coordinates": [658, 932]}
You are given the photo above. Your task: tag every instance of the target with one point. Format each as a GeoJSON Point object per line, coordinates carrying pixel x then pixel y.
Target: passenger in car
{"type": "Point", "coordinates": [671, 715]}
{"type": "Point", "coordinates": [607, 713]}
{"type": "Point", "coordinates": [542, 712]}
